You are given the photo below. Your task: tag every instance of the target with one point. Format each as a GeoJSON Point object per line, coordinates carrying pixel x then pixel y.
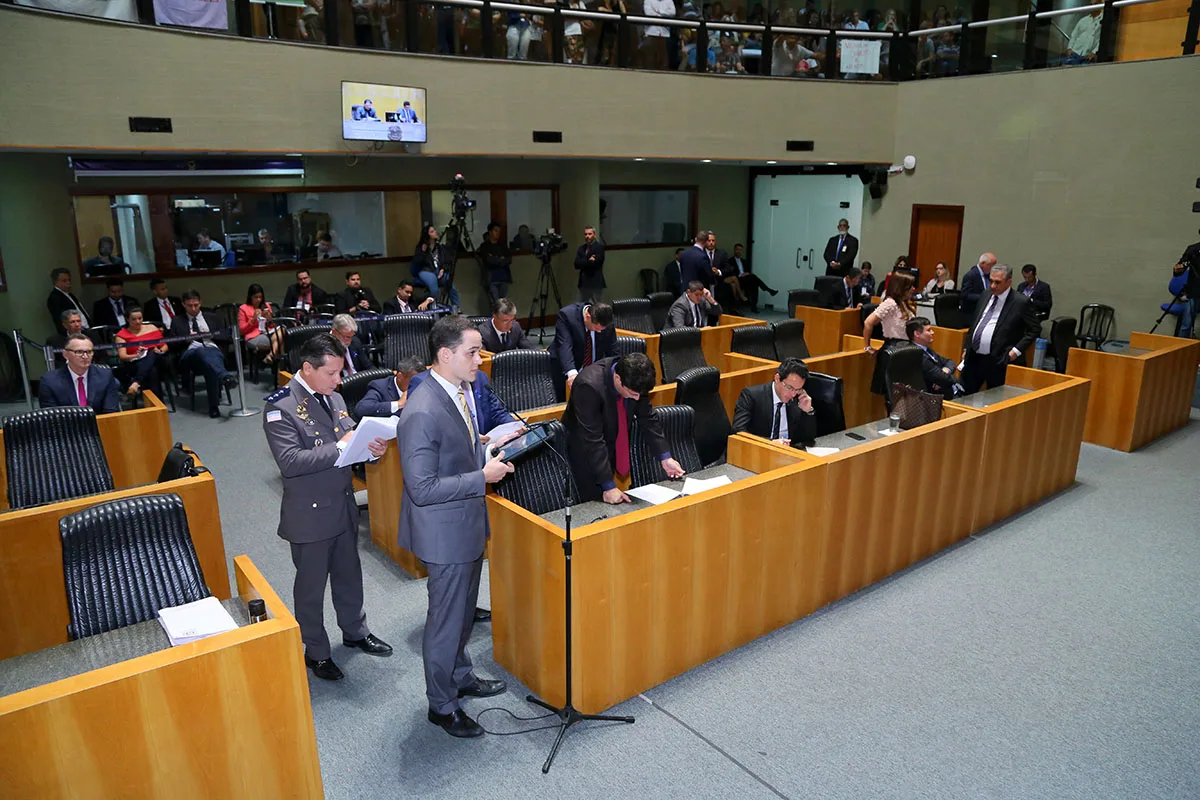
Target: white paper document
{"type": "Point", "coordinates": [370, 429]}
{"type": "Point", "coordinates": [193, 621]}
{"type": "Point", "coordinates": [821, 451]}
{"type": "Point", "coordinates": [500, 432]}
{"type": "Point", "coordinates": [653, 494]}
{"type": "Point", "coordinates": [888, 432]}
{"type": "Point", "coordinates": [697, 485]}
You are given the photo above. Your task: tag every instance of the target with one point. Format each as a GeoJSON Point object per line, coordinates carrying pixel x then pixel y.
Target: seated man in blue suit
{"type": "Point", "coordinates": [80, 382]}
{"type": "Point", "coordinates": [386, 397]}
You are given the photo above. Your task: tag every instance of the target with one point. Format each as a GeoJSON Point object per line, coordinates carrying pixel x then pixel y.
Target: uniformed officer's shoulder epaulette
{"type": "Point", "coordinates": [275, 397]}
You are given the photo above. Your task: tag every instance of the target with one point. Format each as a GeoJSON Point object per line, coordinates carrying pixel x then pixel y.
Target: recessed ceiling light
{"type": "Point", "coordinates": [294, 155]}
{"type": "Point", "coordinates": [772, 162]}
{"type": "Point", "coordinates": [639, 159]}
{"type": "Point", "coordinates": [706, 160]}
{"type": "Point", "coordinates": [831, 163]}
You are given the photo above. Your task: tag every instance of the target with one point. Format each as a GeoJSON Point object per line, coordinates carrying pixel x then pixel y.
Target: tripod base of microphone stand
{"type": "Point", "coordinates": [245, 412]}
{"type": "Point", "coordinates": [568, 716]}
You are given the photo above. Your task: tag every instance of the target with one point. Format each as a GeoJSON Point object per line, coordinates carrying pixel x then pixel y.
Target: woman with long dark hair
{"type": "Point", "coordinates": [429, 264]}
{"type": "Point", "coordinates": [254, 323]}
{"type": "Point", "coordinates": [893, 313]}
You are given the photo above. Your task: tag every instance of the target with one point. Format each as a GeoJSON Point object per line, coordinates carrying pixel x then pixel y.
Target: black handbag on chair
{"type": "Point", "coordinates": [915, 407]}
{"type": "Point", "coordinates": [179, 463]}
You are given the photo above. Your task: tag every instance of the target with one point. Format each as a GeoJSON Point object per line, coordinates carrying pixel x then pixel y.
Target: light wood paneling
{"type": "Point", "coordinates": [33, 594]}
{"type": "Point", "coordinates": [824, 328]}
{"type": "Point", "coordinates": [385, 488]}
{"type": "Point", "coordinates": [949, 342]}
{"type": "Point", "coordinates": [228, 716]}
{"type": "Point", "coordinates": [717, 340]}
{"type": "Point", "coordinates": [402, 228]}
{"type": "Point", "coordinates": [93, 219]}
{"type": "Point", "coordinates": [935, 235]}
{"type": "Point", "coordinates": [1154, 30]}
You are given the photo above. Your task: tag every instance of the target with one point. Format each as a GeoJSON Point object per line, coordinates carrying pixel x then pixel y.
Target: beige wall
{"type": "Point", "coordinates": [1088, 172]}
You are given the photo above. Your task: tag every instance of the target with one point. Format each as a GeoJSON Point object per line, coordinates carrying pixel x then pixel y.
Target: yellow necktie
{"type": "Point", "coordinates": [462, 399]}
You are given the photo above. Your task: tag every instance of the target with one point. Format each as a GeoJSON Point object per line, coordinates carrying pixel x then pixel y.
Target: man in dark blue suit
{"type": "Point", "coordinates": [583, 334]}
{"type": "Point", "coordinates": [80, 382]}
{"type": "Point", "coordinates": [694, 264]}
{"type": "Point", "coordinates": [488, 410]}
{"type": "Point", "coordinates": [386, 397]}
{"type": "Point", "coordinates": [975, 283]}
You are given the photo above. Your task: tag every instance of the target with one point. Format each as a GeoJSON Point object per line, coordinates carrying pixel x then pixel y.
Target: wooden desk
{"type": "Point", "coordinates": [717, 340]}
{"type": "Point", "coordinates": [1137, 398]}
{"type": "Point", "coordinates": [949, 342]}
{"type": "Point", "coordinates": [1031, 443]}
{"type": "Point", "coordinates": [228, 716]}
{"type": "Point", "coordinates": [135, 444]}
{"type": "Point", "coordinates": [652, 351]}
{"type": "Point", "coordinates": [854, 366]}
{"type": "Point", "coordinates": [824, 328]}
{"type": "Point", "coordinates": [33, 595]}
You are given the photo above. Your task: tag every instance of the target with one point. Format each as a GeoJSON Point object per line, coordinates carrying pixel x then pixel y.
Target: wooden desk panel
{"type": "Point", "coordinates": [385, 487]}
{"type": "Point", "coordinates": [652, 351]}
{"type": "Point", "coordinates": [949, 342]}
{"type": "Point", "coordinates": [824, 328]}
{"type": "Point", "coordinates": [228, 716]}
{"type": "Point", "coordinates": [717, 340]}
{"type": "Point", "coordinates": [33, 594]}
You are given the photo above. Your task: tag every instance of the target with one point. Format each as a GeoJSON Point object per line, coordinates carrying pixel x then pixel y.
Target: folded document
{"type": "Point", "coordinates": [193, 621]}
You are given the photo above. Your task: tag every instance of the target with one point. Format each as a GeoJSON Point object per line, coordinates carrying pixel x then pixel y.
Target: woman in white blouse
{"type": "Point", "coordinates": [941, 282]}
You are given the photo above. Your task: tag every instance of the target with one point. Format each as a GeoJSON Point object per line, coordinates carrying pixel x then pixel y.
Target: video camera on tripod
{"type": "Point", "coordinates": [548, 245]}
{"type": "Point", "coordinates": [545, 248]}
{"type": "Point", "coordinates": [456, 238]}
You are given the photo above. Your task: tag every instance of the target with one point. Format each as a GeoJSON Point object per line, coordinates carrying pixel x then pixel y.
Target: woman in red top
{"type": "Point", "coordinates": [142, 358]}
{"type": "Point", "coordinates": [254, 323]}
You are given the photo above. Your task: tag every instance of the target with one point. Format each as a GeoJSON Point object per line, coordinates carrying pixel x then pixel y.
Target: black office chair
{"type": "Point", "coordinates": [326, 308]}
{"type": "Point", "coordinates": [903, 366]}
{"type": "Point", "coordinates": [660, 304]}
{"type": "Point", "coordinates": [826, 393]}
{"type": "Point", "coordinates": [678, 350]}
{"type": "Point", "coordinates": [649, 279]}
{"type": "Point", "coordinates": [354, 388]}
{"type": "Point", "coordinates": [480, 321]}
{"type": "Point", "coordinates": [829, 287]}
{"type": "Point", "coordinates": [228, 312]}
{"type": "Point", "coordinates": [633, 314]}
{"type": "Point", "coordinates": [755, 340]}
{"type": "Point", "coordinates": [630, 344]}
{"type": "Point", "coordinates": [125, 560]}
{"type": "Point", "coordinates": [866, 310]}
{"type": "Point", "coordinates": [1095, 324]}
{"type": "Point", "coordinates": [54, 454]}
{"type": "Point", "coordinates": [294, 339]}
{"type": "Point", "coordinates": [541, 481]}
{"type": "Point", "coordinates": [405, 335]}
{"type": "Point", "coordinates": [525, 379]}
{"type": "Point", "coordinates": [789, 339]}
{"type": "Point", "coordinates": [947, 312]}
{"type": "Point", "coordinates": [802, 297]}
{"type": "Point", "coordinates": [679, 428]}
{"type": "Point", "coordinates": [700, 388]}
{"type": "Point", "coordinates": [1062, 339]}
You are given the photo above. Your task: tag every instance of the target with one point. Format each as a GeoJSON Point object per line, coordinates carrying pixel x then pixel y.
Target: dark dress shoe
{"type": "Point", "coordinates": [324, 669]}
{"type": "Point", "coordinates": [214, 413]}
{"type": "Point", "coordinates": [457, 724]}
{"type": "Point", "coordinates": [483, 688]}
{"type": "Point", "coordinates": [482, 614]}
{"type": "Point", "coordinates": [372, 645]}
{"type": "Point", "coordinates": [229, 381]}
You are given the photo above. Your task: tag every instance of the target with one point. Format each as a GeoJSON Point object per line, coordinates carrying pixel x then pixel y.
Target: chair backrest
{"type": "Point", "coordinates": [679, 428]}
{"type": "Point", "coordinates": [947, 313]}
{"type": "Point", "coordinates": [903, 366]}
{"type": "Point", "coordinates": [480, 321]}
{"type": "Point", "coordinates": [125, 560]}
{"type": "Point", "coordinates": [405, 335]}
{"type": "Point", "coordinates": [355, 387]}
{"type": "Point", "coordinates": [54, 454]}
{"type": "Point", "coordinates": [630, 344]}
{"type": "Point", "coordinates": [700, 388]}
{"type": "Point", "coordinates": [1096, 323]}
{"type": "Point", "coordinates": [826, 393]}
{"type": "Point", "coordinates": [633, 314]}
{"type": "Point", "coordinates": [294, 339]}
{"type": "Point", "coordinates": [829, 287]}
{"type": "Point", "coordinates": [866, 310]}
{"type": "Point", "coordinates": [1062, 339]}
{"type": "Point", "coordinates": [755, 340]}
{"type": "Point", "coordinates": [228, 312]}
{"type": "Point", "coordinates": [789, 339]}
{"type": "Point", "coordinates": [649, 279]}
{"type": "Point", "coordinates": [660, 304]}
{"type": "Point", "coordinates": [12, 388]}
{"type": "Point", "coordinates": [525, 379]}
{"type": "Point", "coordinates": [678, 350]}
{"type": "Point", "coordinates": [802, 297]}
{"type": "Point", "coordinates": [540, 478]}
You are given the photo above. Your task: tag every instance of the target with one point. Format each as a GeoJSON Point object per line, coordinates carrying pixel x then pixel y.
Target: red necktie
{"type": "Point", "coordinates": [82, 391]}
{"type": "Point", "coordinates": [587, 350]}
{"type": "Point", "coordinates": [622, 438]}
{"type": "Point", "coordinates": [166, 304]}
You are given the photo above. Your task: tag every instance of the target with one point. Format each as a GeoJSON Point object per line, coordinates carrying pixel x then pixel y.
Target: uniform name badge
{"type": "Point", "coordinates": [274, 416]}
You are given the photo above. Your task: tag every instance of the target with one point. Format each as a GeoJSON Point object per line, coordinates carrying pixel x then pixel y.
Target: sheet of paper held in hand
{"type": "Point", "coordinates": [496, 434]}
{"type": "Point", "coordinates": [370, 429]}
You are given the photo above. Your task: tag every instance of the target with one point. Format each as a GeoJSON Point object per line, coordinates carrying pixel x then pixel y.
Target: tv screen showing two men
{"type": "Point", "coordinates": [376, 113]}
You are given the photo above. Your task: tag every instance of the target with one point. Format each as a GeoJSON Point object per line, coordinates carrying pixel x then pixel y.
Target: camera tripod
{"type": "Point", "coordinates": [546, 283]}
{"type": "Point", "coordinates": [455, 239]}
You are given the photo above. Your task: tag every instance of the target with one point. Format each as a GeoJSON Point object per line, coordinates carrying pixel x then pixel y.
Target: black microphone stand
{"type": "Point", "coordinates": [567, 715]}
{"type": "Point", "coordinates": [1190, 271]}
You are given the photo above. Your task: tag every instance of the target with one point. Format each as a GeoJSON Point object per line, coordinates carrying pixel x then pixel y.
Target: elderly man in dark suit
{"type": "Point", "coordinates": [203, 355]}
{"type": "Point", "coordinates": [1004, 327]}
{"type": "Point", "coordinates": [974, 284]}
{"type": "Point", "coordinates": [695, 308]}
{"type": "Point", "coordinates": [307, 428]}
{"type": "Point", "coordinates": [443, 516]}
{"type": "Point", "coordinates": [840, 250]}
{"type": "Point", "coordinates": [604, 401]}
{"type": "Point", "coordinates": [61, 299]}
{"type": "Point", "coordinates": [113, 309]}
{"type": "Point", "coordinates": [161, 309]}
{"type": "Point", "coordinates": [80, 382]}
{"type": "Point", "coordinates": [780, 410]}
{"type": "Point", "coordinates": [502, 332]}
{"type": "Point", "coordinates": [583, 334]}
{"type": "Point", "coordinates": [938, 371]}
{"type": "Point", "coordinates": [345, 330]}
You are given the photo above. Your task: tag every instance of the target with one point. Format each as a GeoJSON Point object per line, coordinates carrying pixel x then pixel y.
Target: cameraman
{"type": "Point", "coordinates": [355, 298]}
{"type": "Point", "coordinates": [1189, 265]}
{"type": "Point", "coordinates": [496, 259]}
{"type": "Point", "coordinates": [430, 262]}
{"type": "Point", "coordinates": [589, 260]}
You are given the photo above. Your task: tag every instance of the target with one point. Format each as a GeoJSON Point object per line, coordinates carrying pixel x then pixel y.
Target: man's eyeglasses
{"type": "Point", "coordinates": [790, 388]}
{"type": "Point", "coordinates": [81, 353]}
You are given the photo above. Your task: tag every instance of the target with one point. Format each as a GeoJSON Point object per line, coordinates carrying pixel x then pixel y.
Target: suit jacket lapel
{"type": "Point", "coordinates": [450, 406]}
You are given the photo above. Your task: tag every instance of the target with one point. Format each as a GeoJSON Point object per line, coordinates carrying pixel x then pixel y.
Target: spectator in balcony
{"type": "Point", "coordinates": [941, 17]}
{"type": "Point", "coordinates": [445, 30]}
{"type": "Point", "coordinates": [653, 50]}
{"type": "Point", "coordinates": [790, 57]}
{"type": "Point", "coordinates": [926, 51]}
{"type": "Point", "coordinates": [855, 22]}
{"type": "Point", "coordinates": [311, 24]}
{"type": "Point", "coordinates": [518, 35]}
{"type": "Point", "coordinates": [947, 54]}
{"type": "Point", "coordinates": [573, 29]}
{"type": "Point", "coordinates": [890, 24]}
{"type": "Point", "coordinates": [363, 12]}
{"type": "Point", "coordinates": [729, 60]}
{"type": "Point", "coordinates": [1085, 39]}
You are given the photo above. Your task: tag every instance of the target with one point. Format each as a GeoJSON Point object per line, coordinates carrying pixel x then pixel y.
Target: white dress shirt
{"type": "Point", "coordinates": [658, 8]}
{"type": "Point", "coordinates": [985, 338]}
{"type": "Point", "coordinates": [1085, 37]}
{"type": "Point", "coordinates": [783, 422]}
{"type": "Point", "coordinates": [118, 305]}
{"type": "Point", "coordinates": [453, 391]}
{"type": "Point", "coordinates": [202, 326]}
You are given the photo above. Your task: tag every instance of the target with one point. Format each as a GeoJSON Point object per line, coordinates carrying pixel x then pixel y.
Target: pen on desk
{"type": "Point", "coordinates": [597, 519]}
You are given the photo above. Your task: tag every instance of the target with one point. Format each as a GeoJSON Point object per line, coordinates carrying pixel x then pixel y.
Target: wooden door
{"type": "Point", "coordinates": [936, 235]}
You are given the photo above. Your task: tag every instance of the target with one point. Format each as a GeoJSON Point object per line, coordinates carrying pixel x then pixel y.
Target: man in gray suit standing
{"type": "Point", "coordinates": [443, 516]}
{"type": "Point", "coordinates": [307, 427]}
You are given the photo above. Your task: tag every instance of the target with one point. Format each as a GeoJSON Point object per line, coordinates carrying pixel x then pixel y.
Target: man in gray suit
{"type": "Point", "coordinates": [307, 427]}
{"type": "Point", "coordinates": [695, 308]}
{"type": "Point", "coordinates": [443, 517]}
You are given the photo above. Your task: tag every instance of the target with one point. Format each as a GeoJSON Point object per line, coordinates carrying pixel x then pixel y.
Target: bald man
{"type": "Point", "coordinates": [974, 284]}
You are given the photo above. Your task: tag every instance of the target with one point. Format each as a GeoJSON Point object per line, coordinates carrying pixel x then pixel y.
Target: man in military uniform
{"type": "Point", "coordinates": [307, 427]}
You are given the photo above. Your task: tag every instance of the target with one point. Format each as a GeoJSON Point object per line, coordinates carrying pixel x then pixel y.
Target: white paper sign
{"type": "Point", "coordinates": [860, 56]}
{"type": "Point", "coordinates": [192, 13]}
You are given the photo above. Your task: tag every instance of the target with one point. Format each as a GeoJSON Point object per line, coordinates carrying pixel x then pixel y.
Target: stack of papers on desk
{"type": "Point", "coordinates": [194, 621]}
{"type": "Point", "coordinates": [657, 495]}
{"type": "Point", "coordinates": [697, 485]}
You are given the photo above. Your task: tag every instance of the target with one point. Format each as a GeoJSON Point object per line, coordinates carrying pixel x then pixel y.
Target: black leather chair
{"type": "Point", "coordinates": [755, 340]}
{"type": "Point", "coordinates": [294, 339]}
{"type": "Point", "coordinates": [354, 388]}
{"type": "Point", "coordinates": [1095, 324]}
{"type": "Point", "coordinates": [54, 454]}
{"type": "Point", "coordinates": [700, 388]}
{"type": "Point", "coordinates": [480, 320]}
{"type": "Point", "coordinates": [540, 482]}
{"type": "Point", "coordinates": [660, 304]}
{"type": "Point", "coordinates": [802, 297]}
{"type": "Point", "coordinates": [679, 428]}
{"type": "Point", "coordinates": [630, 344]}
{"type": "Point", "coordinates": [678, 350]}
{"type": "Point", "coordinates": [946, 311]}
{"type": "Point", "coordinates": [228, 312]}
{"type": "Point", "coordinates": [633, 314]}
{"type": "Point", "coordinates": [525, 379]}
{"type": "Point", "coordinates": [789, 339]}
{"type": "Point", "coordinates": [829, 287]}
{"type": "Point", "coordinates": [649, 279]}
{"type": "Point", "coordinates": [866, 310]}
{"type": "Point", "coordinates": [903, 366]}
{"type": "Point", "coordinates": [125, 560]}
{"type": "Point", "coordinates": [1062, 339]}
{"type": "Point", "coordinates": [826, 393]}
{"type": "Point", "coordinates": [405, 335]}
